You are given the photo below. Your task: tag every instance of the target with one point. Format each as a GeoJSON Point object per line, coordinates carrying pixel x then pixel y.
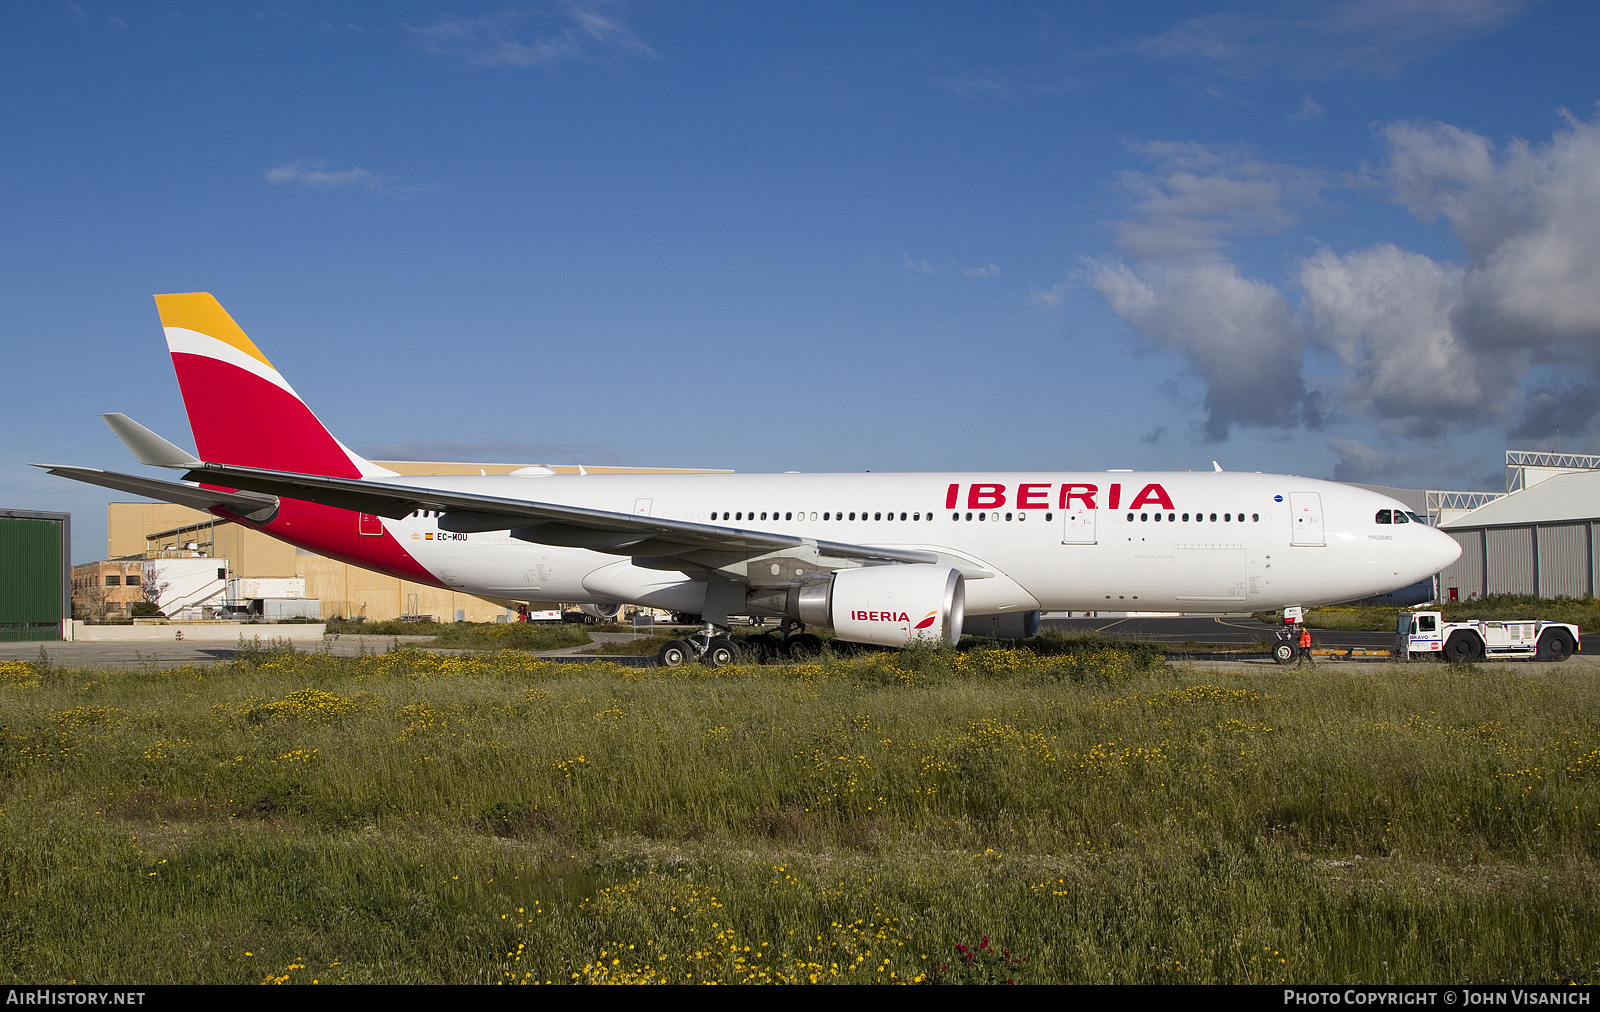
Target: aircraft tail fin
{"type": "Point", "coordinates": [242, 411]}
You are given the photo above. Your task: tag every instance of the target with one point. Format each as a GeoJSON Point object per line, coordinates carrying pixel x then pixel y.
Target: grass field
{"type": "Point", "coordinates": [1096, 814]}
{"type": "Point", "coordinates": [475, 635]}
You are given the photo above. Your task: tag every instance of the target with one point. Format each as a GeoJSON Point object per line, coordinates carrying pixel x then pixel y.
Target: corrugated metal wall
{"type": "Point", "coordinates": [1564, 560]}
{"type": "Point", "coordinates": [1465, 574]}
{"type": "Point", "coordinates": [1594, 570]}
{"type": "Point", "coordinates": [32, 568]}
{"type": "Point", "coordinates": [1510, 558]}
{"type": "Point", "coordinates": [1549, 560]}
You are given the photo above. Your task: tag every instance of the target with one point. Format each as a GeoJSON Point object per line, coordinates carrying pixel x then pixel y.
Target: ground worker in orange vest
{"type": "Point", "coordinates": [1305, 647]}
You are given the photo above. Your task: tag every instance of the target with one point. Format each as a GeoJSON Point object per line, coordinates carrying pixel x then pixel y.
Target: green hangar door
{"type": "Point", "coordinates": [34, 568]}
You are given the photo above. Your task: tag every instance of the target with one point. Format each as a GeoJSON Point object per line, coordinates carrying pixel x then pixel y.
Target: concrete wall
{"type": "Point", "coordinates": [201, 631]}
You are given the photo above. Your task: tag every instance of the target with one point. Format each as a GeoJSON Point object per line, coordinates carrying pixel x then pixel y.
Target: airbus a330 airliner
{"type": "Point", "coordinates": [878, 558]}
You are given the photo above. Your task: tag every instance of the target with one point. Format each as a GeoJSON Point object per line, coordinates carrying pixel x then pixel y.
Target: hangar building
{"type": "Point", "coordinates": [1539, 538]}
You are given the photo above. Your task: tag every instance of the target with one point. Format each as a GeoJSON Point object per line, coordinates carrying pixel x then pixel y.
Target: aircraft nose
{"type": "Point", "coordinates": [1442, 550]}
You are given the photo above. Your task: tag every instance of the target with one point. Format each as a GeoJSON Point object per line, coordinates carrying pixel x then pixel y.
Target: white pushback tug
{"type": "Point", "coordinates": [1424, 633]}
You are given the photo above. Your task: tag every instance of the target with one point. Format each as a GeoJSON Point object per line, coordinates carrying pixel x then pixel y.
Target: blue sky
{"type": "Point", "coordinates": [1357, 240]}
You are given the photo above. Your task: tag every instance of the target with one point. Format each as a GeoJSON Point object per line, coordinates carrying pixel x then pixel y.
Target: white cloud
{"type": "Point", "coordinates": [1316, 40]}
{"type": "Point", "coordinates": [1422, 346]}
{"type": "Point", "coordinates": [1049, 298]}
{"type": "Point", "coordinates": [1387, 314]}
{"type": "Point", "coordinates": [1198, 195]}
{"type": "Point", "coordinates": [1409, 467]}
{"type": "Point", "coordinates": [988, 83]}
{"type": "Point", "coordinates": [1529, 216]}
{"type": "Point", "coordinates": [991, 271]}
{"type": "Point", "coordinates": [1309, 111]}
{"type": "Point", "coordinates": [1239, 336]}
{"type": "Point", "coordinates": [919, 266]}
{"type": "Point", "coordinates": [576, 30]}
{"type": "Point", "coordinates": [317, 176]}
{"type": "Point", "coordinates": [1559, 415]}
{"type": "Point", "coordinates": [1362, 463]}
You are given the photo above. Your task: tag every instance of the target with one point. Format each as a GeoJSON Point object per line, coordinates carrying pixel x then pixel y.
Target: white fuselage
{"type": "Point", "coordinates": [1123, 541]}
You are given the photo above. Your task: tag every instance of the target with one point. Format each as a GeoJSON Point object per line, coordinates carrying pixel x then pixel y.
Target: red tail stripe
{"type": "Point", "coordinates": [240, 418]}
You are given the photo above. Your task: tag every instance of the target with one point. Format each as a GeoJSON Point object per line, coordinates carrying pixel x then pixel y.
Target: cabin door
{"type": "Point", "coordinates": [1305, 513]}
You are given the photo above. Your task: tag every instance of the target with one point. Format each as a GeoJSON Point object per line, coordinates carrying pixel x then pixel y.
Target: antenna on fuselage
{"type": "Point", "coordinates": [1216, 467]}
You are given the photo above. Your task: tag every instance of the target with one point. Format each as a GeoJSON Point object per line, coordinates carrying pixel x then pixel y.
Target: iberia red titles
{"type": "Point", "coordinates": [1049, 495]}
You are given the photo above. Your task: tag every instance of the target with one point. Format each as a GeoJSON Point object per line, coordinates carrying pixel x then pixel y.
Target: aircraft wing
{"type": "Point", "coordinates": [253, 505]}
{"type": "Point", "coordinates": [543, 523]}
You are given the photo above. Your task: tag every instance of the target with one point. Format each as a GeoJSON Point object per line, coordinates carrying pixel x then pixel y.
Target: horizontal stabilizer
{"type": "Point", "coordinates": [148, 448]}
{"type": "Point", "coordinates": [250, 505]}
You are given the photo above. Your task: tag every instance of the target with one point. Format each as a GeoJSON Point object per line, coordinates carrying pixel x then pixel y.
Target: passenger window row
{"type": "Point", "coordinates": [1171, 518]}
{"type": "Point", "coordinates": [980, 517]}
{"type": "Point", "coordinates": [724, 515]}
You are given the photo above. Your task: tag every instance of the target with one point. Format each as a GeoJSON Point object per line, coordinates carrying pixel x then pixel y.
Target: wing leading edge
{"type": "Point", "coordinates": [604, 531]}
{"type": "Point", "coordinates": [542, 523]}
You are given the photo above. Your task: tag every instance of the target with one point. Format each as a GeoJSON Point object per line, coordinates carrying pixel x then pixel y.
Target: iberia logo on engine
{"type": "Point", "coordinates": [893, 616]}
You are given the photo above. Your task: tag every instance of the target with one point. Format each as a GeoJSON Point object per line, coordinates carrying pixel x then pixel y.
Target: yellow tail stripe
{"type": "Point", "coordinates": [199, 312]}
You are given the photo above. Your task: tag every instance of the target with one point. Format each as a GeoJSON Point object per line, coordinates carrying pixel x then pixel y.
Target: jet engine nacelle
{"type": "Point", "coordinates": [888, 605]}
{"type": "Point", "coordinates": [601, 612]}
{"type": "Point", "coordinates": [1015, 625]}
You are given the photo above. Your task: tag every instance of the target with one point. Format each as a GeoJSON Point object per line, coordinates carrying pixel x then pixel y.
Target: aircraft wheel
{"type": "Point", "coordinates": [722, 652]}
{"type": "Point", "coordinates": [762, 648]}
{"type": "Point", "coordinates": [803, 647]}
{"type": "Point", "coordinates": [1555, 645]}
{"type": "Point", "coordinates": [1283, 653]}
{"type": "Point", "coordinates": [1462, 648]}
{"type": "Point", "coordinates": [675, 654]}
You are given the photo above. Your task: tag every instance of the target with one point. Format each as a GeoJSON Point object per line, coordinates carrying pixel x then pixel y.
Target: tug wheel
{"type": "Point", "coordinates": [1555, 645]}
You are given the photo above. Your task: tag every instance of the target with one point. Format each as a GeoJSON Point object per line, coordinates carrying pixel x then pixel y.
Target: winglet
{"type": "Point", "coordinates": [147, 447]}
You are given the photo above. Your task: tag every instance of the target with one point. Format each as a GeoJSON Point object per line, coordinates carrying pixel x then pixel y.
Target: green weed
{"type": "Point", "coordinates": [1098, 814]}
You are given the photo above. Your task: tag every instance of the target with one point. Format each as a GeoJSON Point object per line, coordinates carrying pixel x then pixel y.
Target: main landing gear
{"type": "Point", "coordinates": [777, 647]}
{"type": "Point", "coordinates": [710, 646]}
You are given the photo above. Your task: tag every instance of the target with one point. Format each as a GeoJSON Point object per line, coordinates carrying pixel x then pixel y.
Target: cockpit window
{"type": "Point", "coordinates": [1414, 518]}
{"type": "Point", "coordinates": [1383, 517]}
{"type": "Point", "coordinates": [1400, 517]}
